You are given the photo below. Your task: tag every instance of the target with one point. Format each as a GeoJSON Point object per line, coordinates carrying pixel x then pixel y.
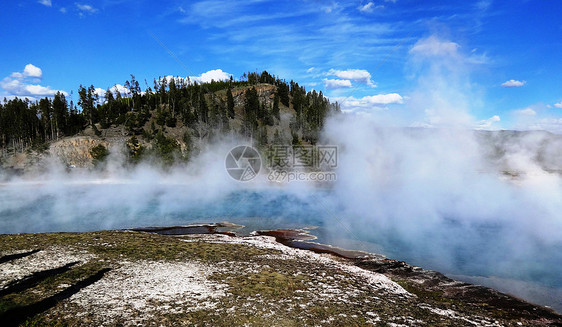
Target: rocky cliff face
{"type": "Point", "coordinates": [266, 93]}
{"type": "Point", "coordinates": [76, 150]}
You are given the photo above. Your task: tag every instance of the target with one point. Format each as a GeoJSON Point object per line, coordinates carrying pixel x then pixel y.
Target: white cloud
{"type": "Point", "coordinates": [32, 71]}
{"type": "Point", "coordinates": [216, 75]}
{"type": "Point", "coordinates": [85, 8]}
{"type": "Point", "coordinates": [46, 3]}
{"type": "Point", "coordinates": [526, 112]}
{"type": "Point", "coordinates": [25, 84]}
{"type": "Point", "coordinates": [117, 88]}
{"type": "Point", "coordinates": [384, 99]}
{"type": "Point", "coordinates": [356, 75]}
{"type": "Point", "coordinates": [207, 77]}
{"type": "Point", "coordinates": [434, 47]}
{"type": "Point", "coordinates": [99, 92]}
{"type": "Point", "coordinates": [369, 7]}
{"type": "Point", "coordinates": [63, 10]}
{"type": "Point", "coordinates": [558, 105]}
{"type": "Point", "coordinates": [513, 83]}
{"type": "Point", "coordinates": [36, 89]}
{"type": "Point", "coordinates": [487, 123]}
{"type": "Point", "coordinates": [16, 87]}
{"type": "Point", "coordinates": [336, 83]}
{"type": "Point", "coordinates": [310, 70]}
{"type": "Point", "coordinates": [368, 103]}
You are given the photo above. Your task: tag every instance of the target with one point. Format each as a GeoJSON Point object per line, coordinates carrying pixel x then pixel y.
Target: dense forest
{"type": "Point", "coordinates": [204, 109]}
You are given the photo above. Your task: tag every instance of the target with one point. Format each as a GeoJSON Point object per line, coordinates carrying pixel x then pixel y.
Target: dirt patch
{"type": "Point", "coordinates": [137, 291]}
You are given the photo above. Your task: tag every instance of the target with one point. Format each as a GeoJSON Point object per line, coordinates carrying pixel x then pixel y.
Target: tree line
{"type": "Point", "coordinates": [24, 123]}
{"type": "Point", "coordinates": [204, 108]}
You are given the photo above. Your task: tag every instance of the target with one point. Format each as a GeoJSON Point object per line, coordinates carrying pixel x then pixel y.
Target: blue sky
{"type": "Point", "coordinates": [485, 64]}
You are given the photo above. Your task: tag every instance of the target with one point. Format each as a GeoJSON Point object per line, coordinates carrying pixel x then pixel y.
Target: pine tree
{"type": "Point", "coordinates": [88, 98]}
{"type": "Point", "coordinates": [283, 91]}
{"type": "Point", "coordinates": [46, 110]}
{"type": "Point", "coordinates": [230, 103]}
{"type": "Point", "coordinates": [251, 108]}
{"type": "Point", "coordinates": [215, 117]}
{"type": "Point", "coordinates": [60, 114]}
{"type": "Point", "coordinates": [203, 109]}
{"type": "Point", "coordinates": [275, 110]}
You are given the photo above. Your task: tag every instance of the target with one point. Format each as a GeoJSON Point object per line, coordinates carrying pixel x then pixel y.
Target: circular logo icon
{"type": "Point", "coordinates": [243, 163]}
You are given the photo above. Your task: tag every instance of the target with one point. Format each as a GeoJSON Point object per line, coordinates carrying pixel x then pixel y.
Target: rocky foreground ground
{"type": "Point", "coordinates": [126, 278]}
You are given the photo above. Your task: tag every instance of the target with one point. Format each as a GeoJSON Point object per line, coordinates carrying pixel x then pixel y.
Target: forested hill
{"type": "Point", "coordinates": [169, 118]}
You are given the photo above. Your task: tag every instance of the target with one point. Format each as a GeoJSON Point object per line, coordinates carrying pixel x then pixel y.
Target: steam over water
{"type": "Point", "coordinates": [486, 208]}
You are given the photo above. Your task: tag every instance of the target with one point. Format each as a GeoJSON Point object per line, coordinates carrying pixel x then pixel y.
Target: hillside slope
{"type": "Point", "coordinates": [182, 139]}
